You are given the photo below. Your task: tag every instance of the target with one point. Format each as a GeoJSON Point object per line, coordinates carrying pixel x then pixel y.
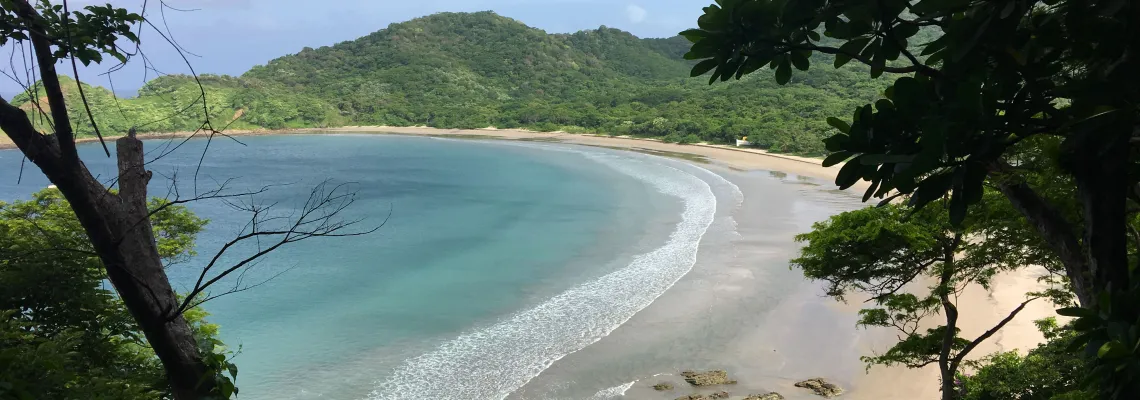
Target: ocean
{"type": "Point", "coordinates": [492, 259]}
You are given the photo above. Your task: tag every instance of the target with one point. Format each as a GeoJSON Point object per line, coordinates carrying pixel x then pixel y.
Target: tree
{"type": "Point", "coordinates": [884, 253]}
{"type": "Point", "coordinates": [1002, 72]}
{"type": "Point", "coordinates": [1048, 372]}
{"type": "Point", "coordinates": [62, 334]}
{"type": "Point", "coordinates": [117, 223]}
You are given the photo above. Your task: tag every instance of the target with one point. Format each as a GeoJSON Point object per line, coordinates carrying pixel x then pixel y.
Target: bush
{"type": "Point", "coordinates": [53, 352]}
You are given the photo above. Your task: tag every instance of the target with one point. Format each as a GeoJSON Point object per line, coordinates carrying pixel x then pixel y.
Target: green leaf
{"type": "Point", "coordinates": [839, 124]}
{"type": "Point", "coordinates": [876, 159]}
{"type": "Point", "coordinates": [715, 75]}
{"type": "Point", "coordinates": [1079, 342]}
{"type": "Point", "coordinates": [750, 65]}
{"type": "Point", "coordinates": [871, 190]}
{"type": "Point", "coordinates": [703, 67]}
{"type": "Point", "coordinates": [836, 158]}
{"type": "Point", "coordinates": [1111, 350]}
{"type": "Point", "coordinates": [836, 142]}
{"type": "Point", "coordinates": [694, 34]}
{"type": "Point", "coordinates": [854, 46]}
{"type": "Point", "coordinates": [728, 70]}
{"type": "Point", "coordinates": [849, 174]}
{"type": "Point", "coordinates": [932, 188]}
{"type": "Point", "coordinates": [878, 65]}
{"type": "Point", "coordinates": [957, 208]}
{"type": "Point", "coordinates": [1083, 324]}
{"type": "Point", "coordinates": [784, 72]}
{"type": "Point", "coordinates": [703, 49]}
{"type": "Point", "coordinates": [871, 50]}
{"type": "Point", "coordinates": [1076, 312]}
{"type": "Point", "coordinates": [800, 61]}
{"type": "Point", "coordinates": [227, 389]}
{"type": "Point", "coordinates": [933, 46]}
{"type": "Point", "coordinates": [905, 31]}
{"type": "Point", "coordinates": [841, 60]}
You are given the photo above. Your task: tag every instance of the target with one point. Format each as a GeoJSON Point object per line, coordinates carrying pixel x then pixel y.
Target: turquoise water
{"type": "Point", "coordinates": [494, 260]}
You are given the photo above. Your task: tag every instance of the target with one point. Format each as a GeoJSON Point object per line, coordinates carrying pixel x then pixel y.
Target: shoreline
{"type": "Point", "coordinates": [790, 315]}
{"type": "Point", "coordinates": [744, 159]}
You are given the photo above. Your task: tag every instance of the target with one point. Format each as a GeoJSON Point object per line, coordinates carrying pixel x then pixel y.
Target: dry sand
{"type": "Point", "coordinates": [980, 309]}
{"type": "Point", "coordinates": [744, 159]}
{"type": "Point", "coordinates": [734, 157]}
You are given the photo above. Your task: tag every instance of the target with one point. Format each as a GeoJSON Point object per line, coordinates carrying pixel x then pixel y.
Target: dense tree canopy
{"type": "Point", "coordinates": [1006, 78]}
{"type": "Point", "coordinates": [911, 264]}
{"type": "Point", "coordinates": [64, 334]}
{"type": "Point", "coordinates": [1047, 372]}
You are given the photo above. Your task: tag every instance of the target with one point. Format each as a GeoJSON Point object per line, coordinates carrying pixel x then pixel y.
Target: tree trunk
{"type": "Point", "coordinates": [945, 362]}
{"type": "Point", "coordinates": [1100, 169]}
{"type": "Point", "coordinates": [1058, 233]}
{"type": "Point", "coordinates": [117, 224]}
{"type": "Point", "coordinates": [152, 300]}
{"type": "Point", "coordinates": [120, 233]}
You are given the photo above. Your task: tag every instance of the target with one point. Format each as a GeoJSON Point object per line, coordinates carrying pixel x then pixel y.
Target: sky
{"type": "Point", "coordinates": [230, 36]}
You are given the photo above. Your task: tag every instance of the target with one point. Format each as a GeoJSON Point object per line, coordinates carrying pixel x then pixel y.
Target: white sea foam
{"type": "Point", "coordinates": [491, 363]}
{"type": "Point", "coordinates": [612, 393]}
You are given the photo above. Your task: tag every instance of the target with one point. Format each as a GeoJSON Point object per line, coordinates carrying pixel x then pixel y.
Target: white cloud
{"type": "Point", "coordinates": [635, 13]}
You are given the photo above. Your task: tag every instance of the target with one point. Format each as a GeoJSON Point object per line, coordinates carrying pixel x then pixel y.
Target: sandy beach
{"type": "Point", "coordinates": [980, 309]}
{"type": "Point", "coordinates": [739, 158]}
{"type": "Point", "coordinates": [802, 334]}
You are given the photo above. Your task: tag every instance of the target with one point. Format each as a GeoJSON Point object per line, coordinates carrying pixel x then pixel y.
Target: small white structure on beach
{"type": "Point", "coordinates": [743, 142]}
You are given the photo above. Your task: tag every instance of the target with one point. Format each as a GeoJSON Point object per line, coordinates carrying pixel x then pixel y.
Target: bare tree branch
{"type": "Point", "coordinates": [318, 217]}
{"type": "Point", "coordinates": [957, 360]}
{"type": "Point", "coordinates": [78, 83]}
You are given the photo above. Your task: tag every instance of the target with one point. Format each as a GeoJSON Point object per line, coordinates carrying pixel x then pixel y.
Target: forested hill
{"type": "Point", "coordinates": [473, 70]}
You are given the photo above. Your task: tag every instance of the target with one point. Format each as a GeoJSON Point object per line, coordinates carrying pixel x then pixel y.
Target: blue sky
{"type": "Point", "coordinates": [230, 36]}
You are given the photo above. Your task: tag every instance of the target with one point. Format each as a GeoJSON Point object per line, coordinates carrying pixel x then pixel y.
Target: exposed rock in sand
{"type": "Point", "coordinates": [707, 378]}
{"type": "Point", "coordinates": [821, 387]}
{"type": "Point", "coordinates": [692, 397]}
{"type": "Point", "coordinates": [663, 386]}
{"type": "Point", "coordinates": [768, 396]}
{"type": "Point", "coordinates": [719, 395]}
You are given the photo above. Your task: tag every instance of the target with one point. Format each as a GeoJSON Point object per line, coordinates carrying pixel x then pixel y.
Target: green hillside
{"type": "Point", "coordinates": [473, 70]}
{"type": "Point", "coordinates": [173, 103]}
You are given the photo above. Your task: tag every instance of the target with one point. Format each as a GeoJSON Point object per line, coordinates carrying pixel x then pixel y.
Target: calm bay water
{"type": "Point", "coordinates": [496, 260]}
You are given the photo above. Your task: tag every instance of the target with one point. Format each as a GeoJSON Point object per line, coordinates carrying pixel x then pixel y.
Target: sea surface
{"type": "Point", "coordinates": [490, 262]}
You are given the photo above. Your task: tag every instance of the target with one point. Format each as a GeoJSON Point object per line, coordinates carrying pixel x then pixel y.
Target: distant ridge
{"type": "Point", "coordinates": [473, 70]}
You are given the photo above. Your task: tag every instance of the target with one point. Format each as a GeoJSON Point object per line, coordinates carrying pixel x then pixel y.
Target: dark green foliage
{"type": "Point", "coordinates": [962, 106]}
{"type": "Point", "coordinates": [1048, 372]}
{"type": "Point", "coordinates": [911, 264]}
{"type": "Point", "coordinates": [63, 332]}
{"type": "Point", "coordinates": [90, 31]}
{"type": "Point", "coordinates": [173, 103]}
{"type": "Point", "coordinates": [455, 70]}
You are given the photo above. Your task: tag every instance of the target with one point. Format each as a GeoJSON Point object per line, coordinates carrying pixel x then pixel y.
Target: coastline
{"type": "Point", "coordinates": [795, 313]}
{"type": "Point", "coordinates": [737, 158]}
